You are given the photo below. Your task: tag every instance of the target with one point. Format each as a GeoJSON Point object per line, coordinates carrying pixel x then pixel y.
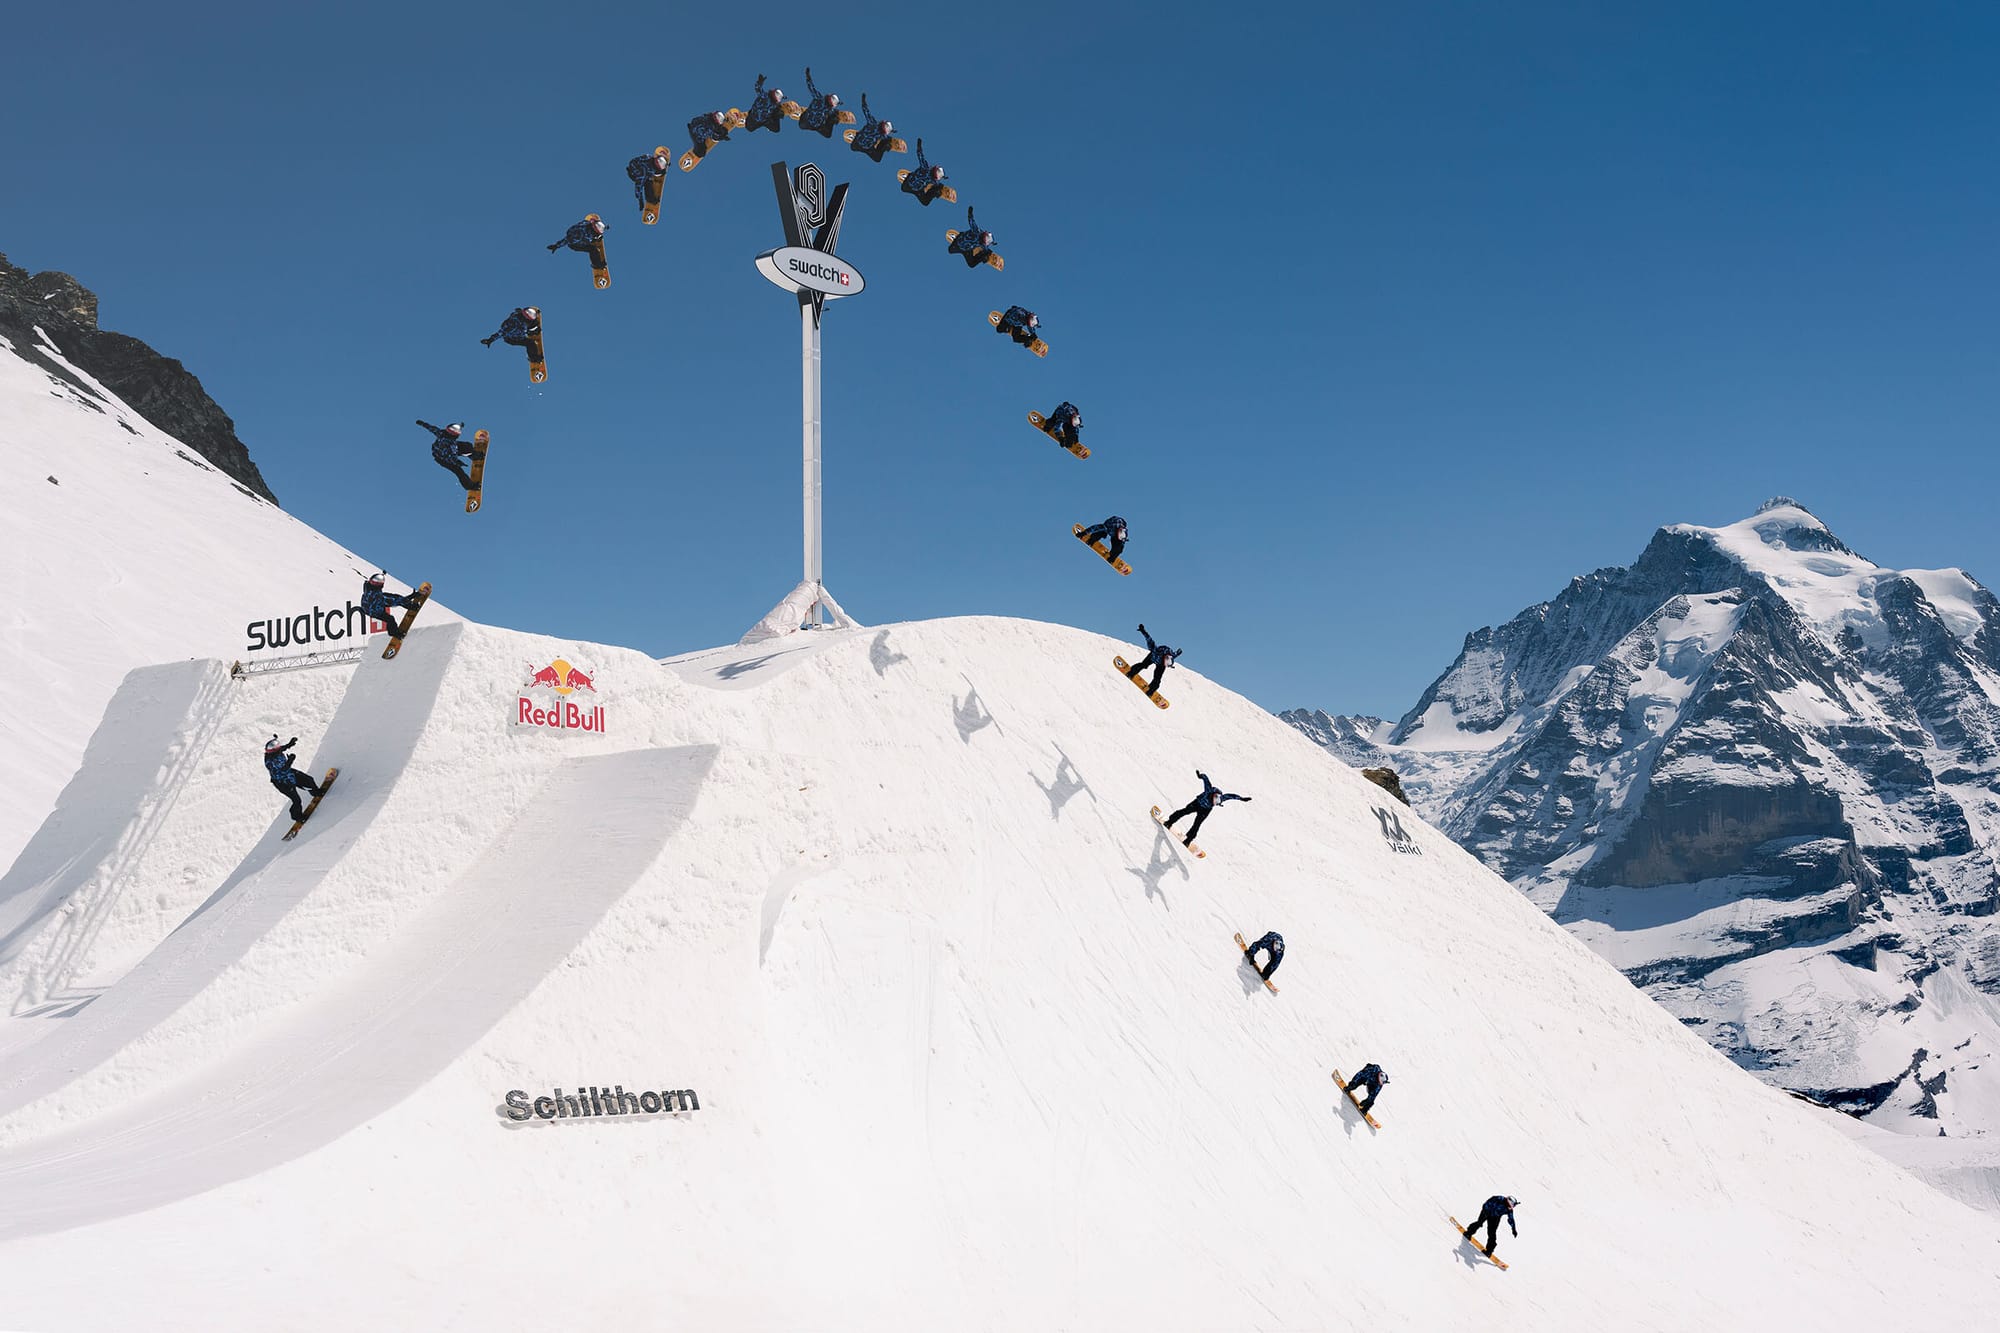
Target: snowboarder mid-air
{"type": "Point", "coordinates": [1498, 1207]}
{"type": "Point", "coordinates": [1066, 424]}
{"type": "Point", "coordinates": [1372, 1078]}
{"type": "Point", "coordinates": [583, 235]}
{"type": "Point", "coordinates": [974, 244]}
{"type": "Point", "coordinates": [518, 327]}
{"type": "Point", "coordinates": [1200, 807]}
{"type": "Point", "coordinates": [927, 181]}
{"type": "Point", "coordinates": [873, 136]}
{"type": "Point", "coordinates": [447, 448]}
{"type": "Point", "coordinates": [765, 113]}
{"type": "Point", "coordinates": [1112, 530]}
{"type": "Point", "coordinates": [1159, 657]}
{"type": "Point", "coordinates": [278, 763]}
{"type": "Point", "coordinates": [1273, 944]}
{"type": "Point", "coordinates": [644, 168]}
{"type": "Point", "coordinates": [824, 112]}
{"type": "Point", "coordinates": [707, 131]}
{"type": "Point", "coordinates": [377, 602]}
{"type": "Point", "coordinates": [1021, 324]}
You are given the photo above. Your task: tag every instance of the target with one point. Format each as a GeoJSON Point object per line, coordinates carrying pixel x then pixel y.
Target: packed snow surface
{"type": "Point", "coordinates": [972, 1044]}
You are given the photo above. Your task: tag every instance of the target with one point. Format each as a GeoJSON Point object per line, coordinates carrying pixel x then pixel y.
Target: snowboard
{"type": "Point", "coordinates": [992, 261]}
{"type": "Point", "coordinates": [889, 145]}
{"type": "Point", "coordinates": [480, 439]}
{"type": "Point", "coordinates": [734, 120]}
{"type": "Point", "coordinates": [1101, 550]}
{"type": "Point", "coordinates": [1475, 1245]}
{"type": "Point", "coordinates": [538, 360]}
{"type": "Point", "coordinates": [1373, 1123]}
{"type": "Point", "coordinates": [1041, 423]}
{"type": "Point", "coordinates": [600, 273]}
{"type": "Point", "coordinates": [944, 192]}
{"type": "Point", "coordinates": [1038, 347]}
{"type": "Point", "coordinates": [325, 785]}
{"type": "Point", "coordinates": [649, 212]}
{"type": "Point", "coordinates": [1199, 854]}
{"type": "Point", "coordinates": [1246, 958]}
{"type": "Point", "coordinates": [395, 644]}
{"type": "Point", "coordinates": [1125, 669]}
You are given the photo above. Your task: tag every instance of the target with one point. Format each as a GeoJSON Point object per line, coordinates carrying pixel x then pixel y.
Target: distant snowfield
{"type": "Point", "coordinates": [972, 1044]}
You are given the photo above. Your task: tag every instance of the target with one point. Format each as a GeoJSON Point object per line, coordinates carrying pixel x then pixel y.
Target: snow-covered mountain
{"type": "Point", "coordinates": [1760, 774]}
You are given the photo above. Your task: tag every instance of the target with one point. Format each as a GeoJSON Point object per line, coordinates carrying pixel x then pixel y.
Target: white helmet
{"type": "Point", "coordinates": [1076, 419]}
{"type": "Point", "coordinates": [833, 99]}
{"type": "Point", "coordinates": [986, 238]}
{"type": "Point", "coordinates": [532, 311]}
{"type": "Point", "coordinates": [454, 428]}
{"type": "Point", "coordinates": [887, 126]}
{"type": "Point", "coordinates": [937, 173]}
{"type": "Point", "coordinates": [1033, 319]}
{"type": "Point", "coordinates": [598, 225]}
{"type": "Point", "coordinates": [717, 117]}
{"type": "Point", "coordinates": [660, 161]}
{"type": "Point", "coordinates": [777, 94]}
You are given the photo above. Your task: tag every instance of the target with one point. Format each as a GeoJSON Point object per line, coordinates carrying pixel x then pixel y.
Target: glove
{"type": "Point", "coordinates": [487, 342]}
{"type": "Point", "coordinates": [1142, 627]}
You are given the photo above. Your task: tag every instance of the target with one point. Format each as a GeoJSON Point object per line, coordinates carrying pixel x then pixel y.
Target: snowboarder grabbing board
{"type": "Point", "coordinates": [1064, 426]}
{"type": "Point", "coordinates": [1273, 945]}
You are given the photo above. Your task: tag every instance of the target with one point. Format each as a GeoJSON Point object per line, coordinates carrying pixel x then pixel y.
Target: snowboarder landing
{"type": "Point", "coordinates": [1112, 530]}
{"type": "Point", "coordinates": [376, 602]}
{"type": "Point", "coordinates": [927, 182]}
{"type": "Point", "coordinates": [583, 235]}
{"type": "Point", "coordinates": [974, 244]}
{"type": "Point", "coordinates": [1498, 1207]}
{"type": "Point", "coordinates": [824, 111]}
{"type": "Point", "coordinates": [1273, 945]}
{"type": "Point", "coordinates": [278, 763]}
{"type": "Point", "coordinates": [1066, 424]}
{"type": "Point", "coordinates": [873, 136]}
{"type": "Point", "coordinates": [707, 131]}
{"type": "Point", "coordinates": [1200, 807]}
{"type": "Point", "coordinates": [447, 448]}
{"type": "Point", "coordinates": [643, 170]}
{"type": "Point", "coordinates": [1159, 657]}
{"type": "Point", "coordinates": [1372, 1078]}
{"type": "Point", "coordinates": [1021, 324]}
{"type": "Point", "coordinates": [765, 111]}
{"type": "Point", "coordinates": [518, 328]}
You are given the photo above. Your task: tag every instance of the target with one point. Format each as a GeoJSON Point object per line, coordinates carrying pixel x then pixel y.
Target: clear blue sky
{"type": "Point", "coordinates": [1385, 319]}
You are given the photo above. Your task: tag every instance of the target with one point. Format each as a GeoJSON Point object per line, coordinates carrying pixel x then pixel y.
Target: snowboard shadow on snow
{"type": "Point", "coordinates": [1065, 784]}
{"type": "Point", "coordinates": [970, 714]}
{"type": "Point", "coordinates": [1165, 858]}
{"type": "Point", "coordinates": [881, 656]}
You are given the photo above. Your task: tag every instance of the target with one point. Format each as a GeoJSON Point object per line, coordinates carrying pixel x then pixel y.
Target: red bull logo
{"type": "Point", "coordinates": [563, 712]}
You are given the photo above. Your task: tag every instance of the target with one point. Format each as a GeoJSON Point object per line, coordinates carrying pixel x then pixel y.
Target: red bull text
{"type": "Point", "coordinates": [562, 713]}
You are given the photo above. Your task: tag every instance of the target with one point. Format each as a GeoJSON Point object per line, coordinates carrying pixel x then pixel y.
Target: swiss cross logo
{"type": "Point", "coordinates": [843, 279]}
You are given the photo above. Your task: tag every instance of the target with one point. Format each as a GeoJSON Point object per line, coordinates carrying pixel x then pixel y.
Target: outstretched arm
{"type": "Point", "coordinates": [1150, 645]}
{"type": "Point", "coordinates": [923, 163]}
{"type": "Point", "coordinates": [811, 87]}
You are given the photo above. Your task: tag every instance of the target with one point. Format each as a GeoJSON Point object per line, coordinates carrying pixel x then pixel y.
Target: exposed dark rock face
{"type": "Point", "coordinates": [159, 388]}
{"type": "Point", "coordinates": [1386, 779]}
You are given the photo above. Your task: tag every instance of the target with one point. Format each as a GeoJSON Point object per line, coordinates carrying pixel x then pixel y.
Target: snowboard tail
{"type": "Point", "coordinates": [1475, 1244]}
{"type": "Point", "coordinates": [538, 360]}
{"type": "Point", "coordinates": [1253, 967]}
{"type": "Point", "coordinates": [396, 632]}
{"type": "Point", "coordinates": [1199, 854]}
{"type": "Point", "coordinates": [1125, 670]}
{"type": "Point", "coordinates": [325, 785]}
{"type": "Point", "coordinates": [992, 261]}
{"type": "Point", "coordinates": [1101, 549]}
{"type": "Point", "coordinates": [649, 212]}
{"type": "Point", "coordinates": [1373, 1123]}
{"type": "Point", "coordinates": [1041, 423]}
{"type": "Point", "coordinates": [480, 442]}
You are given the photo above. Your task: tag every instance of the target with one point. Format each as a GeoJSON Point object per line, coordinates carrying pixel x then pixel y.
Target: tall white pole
{"type": "Point", "coordinates": [809, 333]}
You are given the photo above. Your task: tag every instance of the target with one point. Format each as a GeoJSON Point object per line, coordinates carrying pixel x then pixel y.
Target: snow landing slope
{"type": "Point", "coordinates": [972, 1045]}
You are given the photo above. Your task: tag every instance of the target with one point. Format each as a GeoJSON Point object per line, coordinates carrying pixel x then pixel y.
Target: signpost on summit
{"type": "Point", "coordinates": [806, 266]}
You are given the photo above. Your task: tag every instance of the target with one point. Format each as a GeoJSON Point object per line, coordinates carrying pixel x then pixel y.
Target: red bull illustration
{"type": "Point", "coordinates": [561, 713]}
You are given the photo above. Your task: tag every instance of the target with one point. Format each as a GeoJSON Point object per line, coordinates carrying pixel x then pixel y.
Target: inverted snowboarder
{"type": "Point", "coordinates": [705, 132]}
{"type": "Point", "coordinates": [824, 113]}
{"type": "Point", "coordinates": [523, 328]}
{"type": "Point", "coordinates": [1112, 529]}
{"type": "Point", "coordinates": [278, 763]}
{"type": "Point", "coordinates": [875, 137]}
{"type": "Point", "coordinates": [1022, 325]}
{"type": "Point", "coordinates": [447, 448]}
{"type": "Point", "coordinates": [648, 174]}
{"type": "Point", "coordinates": [1372, 1078]}
{"type": "Point", "coordinates": [1273, 945]}
{"type": "Point", "coordinates": [1159, 657]}
{"type": "Point", "coordinates": [767, 110]}
{"type": "Point", "coordinates": [974, 245]}
{"type": "Point", "coordinates": [1201, 807]}
{"type": "Point", "coordinates": [927, 182]}
{"type": "Point", "coordinates": [1490, 1214]}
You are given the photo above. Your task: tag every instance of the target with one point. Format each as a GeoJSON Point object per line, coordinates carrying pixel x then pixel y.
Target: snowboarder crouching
{"type": "Point", "coordinates": [1200, 807]}
{"type": "Point", "coordinates": [1273, 944]}
{"type": "Point", "coordinates": [1372, 1078]}
{"type": "Point", "coordinates": [278, 763]}
{"type": "Point", "coordinates": [583, 235]}
{"type": "Point", "coordinates": [823, 113]}
{"type": "Point", "coordinates": [377, 602]}
{"type": "Point", "coordinates": [765, 111]}
{"type": "Point", "coordinates": [1021, 324]}
{"type": "Point", "coordinates": [873, 136]}
{"type": "Point", "coordinates": [974, 244]}
{"type": "Point", "coordinates": [707, 131]}
{"type": "Point", "coordinates": [447, 448]}
{"type": "Point", "coordinates": [518, 327]}
{"type": "Point", "coordinates": [1066, 424]}
{"type": "Point", "coordinates": [642, 170]}
{"type": "Point", "coordinates": [1495, 1208]}
{"type": "Point", "coordinates": [1112, 529]}
{"type": "Point", "coordinates": [1159, 657]}
{"type": "Point", "coordinates": [927, 181]}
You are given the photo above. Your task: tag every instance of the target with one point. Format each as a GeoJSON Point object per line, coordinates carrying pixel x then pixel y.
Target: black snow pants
{"type": "Point", "coordinates": [290, 787]}
{"type": "Point", "coordinates": [1191, 808]}
{"type": "Point", "coordinates": [1159, 665]}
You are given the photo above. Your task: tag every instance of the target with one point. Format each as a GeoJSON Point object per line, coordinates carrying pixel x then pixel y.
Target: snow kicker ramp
{"type": "Point", "coordinates": [972, 1045]}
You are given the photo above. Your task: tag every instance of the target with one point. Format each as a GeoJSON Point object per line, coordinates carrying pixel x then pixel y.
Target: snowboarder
{"type": "Point", "coordinates": [974, 244]}
{"type": "Point", "coordinates": [447, 448]}
{"type": "Point", "coordinates": [765, 112]}
{"type": "Point", "coordinates": [1273, 945]}
{"type": "Point", "coordinates": [376, 602]}
{"type": "Point", "coordinates": [1021, 324]}
{"type": "Point", "coordinates": [278, 763]}
{"type": "Point", "coordinates": [1158, 656]}
{"type": "Point", "coordinates": [1113, 530]}
{"type": "Point", "coordinates": [1066, 424]}
{"type": "Point", "coordinates": [707, 131]}
{"type": "Point", "coordinates": [927, 181]}
{"type": "Point", "coordinates": [1200, 807]}
{"type": "Point", "coordinates": [584, 235]}
{"type": "Point", "coordinates": [1495, 1208]}
{"type": "Point", "coordinates": [873, 136]}
{"type": "Point", "coordinates": [645, 169]}
{"type": "Point", "coordinates": [824, 113]}
{"type": "Point", "coordinates": [518, 328]}
{"type": "Point", "coordinates": [1370, 1077]}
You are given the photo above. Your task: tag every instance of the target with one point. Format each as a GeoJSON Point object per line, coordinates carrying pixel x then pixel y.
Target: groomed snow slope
{"type": "Point", "coordinates": [972, 1043]}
